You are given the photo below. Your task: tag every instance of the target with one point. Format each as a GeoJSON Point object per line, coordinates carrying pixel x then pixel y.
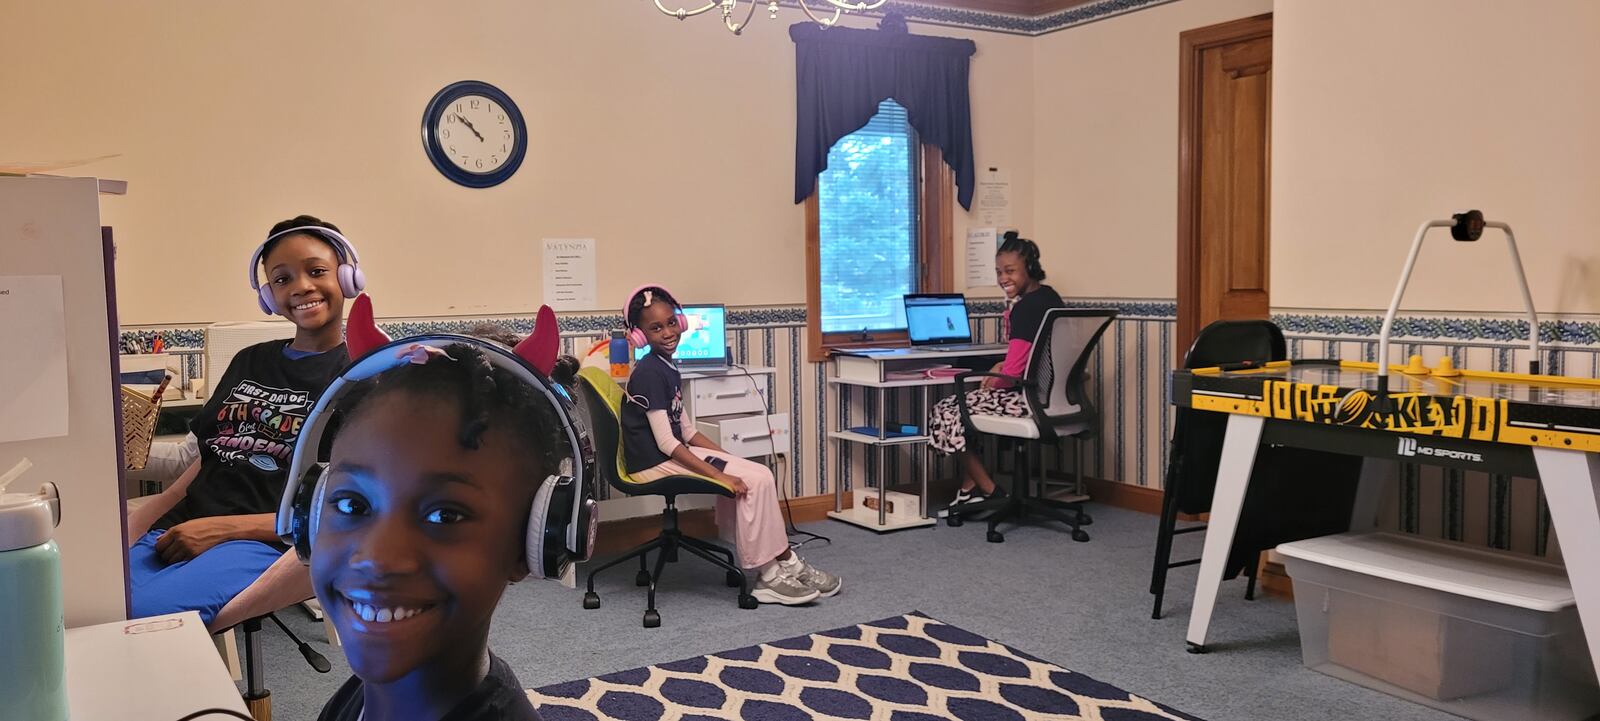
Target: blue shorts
{"type": "Point", "coordinates": [204, 583]}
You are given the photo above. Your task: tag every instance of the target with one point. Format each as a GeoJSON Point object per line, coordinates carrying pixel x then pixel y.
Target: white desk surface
{"type": "Point", "coordinates": [895, 354]}
{"type": "Point", "coordinates": [149, 669]}
{"type": "Point", "coordinates": [738, 372]}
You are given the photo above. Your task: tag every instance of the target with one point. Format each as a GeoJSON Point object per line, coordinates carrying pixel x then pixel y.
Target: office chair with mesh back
{"type": "Point", "coordinates": [1052, 385]}
{"type": "Point", "coordinates": [603, 397]}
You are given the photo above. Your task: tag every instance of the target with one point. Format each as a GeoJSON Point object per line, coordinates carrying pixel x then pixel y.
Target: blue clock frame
{"type": "Point", "coordinates": [441, 159]}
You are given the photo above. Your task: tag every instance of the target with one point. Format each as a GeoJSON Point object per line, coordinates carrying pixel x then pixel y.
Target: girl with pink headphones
{"type": "Point", "coordinates": [212, 534]}
{"type": "Point", "coordinates": [659, 440]}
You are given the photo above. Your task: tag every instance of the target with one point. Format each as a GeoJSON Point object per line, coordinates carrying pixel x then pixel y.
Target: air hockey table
{"type": "Point", "coordinates": [1528, 425]}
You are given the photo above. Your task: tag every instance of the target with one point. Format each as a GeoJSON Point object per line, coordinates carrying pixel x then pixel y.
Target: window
{"type": "Point", "coordinates": [875, 232]}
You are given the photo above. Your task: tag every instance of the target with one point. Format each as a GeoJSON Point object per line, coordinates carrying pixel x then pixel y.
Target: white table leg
{"type": "Point", "coordinates": [1375, 475]}
{"type": "Point", "coordinates": [1571, 481]}
{"type": "Point", "coordinates": [1233, 477]}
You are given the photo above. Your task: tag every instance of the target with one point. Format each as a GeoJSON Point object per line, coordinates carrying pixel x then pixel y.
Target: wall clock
{"type": "Point", "coordinates": [474, 134]}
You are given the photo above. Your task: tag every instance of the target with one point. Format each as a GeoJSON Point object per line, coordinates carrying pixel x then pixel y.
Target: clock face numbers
{"type": "Point", "coordinates": [476, 134]}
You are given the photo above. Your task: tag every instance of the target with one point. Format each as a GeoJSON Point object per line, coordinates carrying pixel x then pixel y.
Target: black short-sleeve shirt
{"type": "Point", "coordinates": [1026, 316]}
{"type": "Point", "coordinates": [655, 385]}
{"type": "Point", "coordinates": [248, 427]}
{"type": "Point", "coordinates": [498, 698]}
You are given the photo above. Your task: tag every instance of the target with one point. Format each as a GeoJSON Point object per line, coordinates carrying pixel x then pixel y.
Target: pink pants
{"type": "Point", "coordinates": [755, 517]}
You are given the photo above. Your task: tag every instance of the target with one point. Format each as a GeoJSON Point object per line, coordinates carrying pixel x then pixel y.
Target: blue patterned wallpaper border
{"type": "Point", "coordinates": [1574, 332]}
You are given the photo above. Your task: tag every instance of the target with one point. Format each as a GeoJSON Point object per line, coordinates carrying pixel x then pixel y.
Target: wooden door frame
{"type": "Point", "coordinates": [1191, 43]}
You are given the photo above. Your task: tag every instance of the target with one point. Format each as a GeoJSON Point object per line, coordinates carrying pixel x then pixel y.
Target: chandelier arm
{"type": "Point", "coordinates": [828, 23]}
{"type": "Point", "coordinates": [681, 13]}
{"type": "Point", "coordinates": [737, 29]}
{"type": "Point", "coordinates": [857, 6]}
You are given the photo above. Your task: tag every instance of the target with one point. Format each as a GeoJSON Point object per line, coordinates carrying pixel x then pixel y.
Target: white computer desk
{"type": "Point", "coordinates": [869, 369]}
{"type": "Point", "coordinates": [149, 669]}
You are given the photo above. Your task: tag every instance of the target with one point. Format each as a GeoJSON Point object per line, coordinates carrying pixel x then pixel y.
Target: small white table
{"type": "Point", "coordinates": [866, 368]}
{"type": "Point", "coordinates": [160, 668]}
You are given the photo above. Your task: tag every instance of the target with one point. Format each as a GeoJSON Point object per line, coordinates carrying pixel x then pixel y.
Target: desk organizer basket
{"type": "Point", "coordinates": [139, 413]}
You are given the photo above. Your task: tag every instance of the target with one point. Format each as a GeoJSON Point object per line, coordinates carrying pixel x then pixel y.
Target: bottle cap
{"type": "Point", "coordinates": [28, 519]}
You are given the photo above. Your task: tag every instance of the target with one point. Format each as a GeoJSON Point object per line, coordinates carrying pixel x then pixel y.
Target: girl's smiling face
{"type": "Point", "coordinates": [659, 321]}
{"type": "Point", "coordinates": [302, 272]}
{"type": "Point", "coordinates": [418, 537]}
{"type": "Point", "coordinates": [1011, 273]}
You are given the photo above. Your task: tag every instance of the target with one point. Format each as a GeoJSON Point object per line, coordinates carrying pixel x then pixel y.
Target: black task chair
{"type": "Point", "coordinates": [604, 399]}
{"type": "Point", "coordinates": [1058, 407]}
{"type": "Point", "coordinates": [258, 700]}
{"type": "Point", "coordinates": [1294, 493]}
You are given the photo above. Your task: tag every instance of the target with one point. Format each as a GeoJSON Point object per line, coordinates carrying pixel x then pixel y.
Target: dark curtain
{"type": "Point", "coordinates": [844, 73]}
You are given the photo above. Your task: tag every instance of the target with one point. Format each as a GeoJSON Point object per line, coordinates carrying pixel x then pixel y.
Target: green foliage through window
{"type": "Point", "coordinates": [867, 225]}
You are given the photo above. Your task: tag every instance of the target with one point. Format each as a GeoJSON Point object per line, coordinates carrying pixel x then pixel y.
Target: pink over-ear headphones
{"type": "Point", "coordinates": [351, 280]}
{"type": "Point", "coordinates": [635, 334]}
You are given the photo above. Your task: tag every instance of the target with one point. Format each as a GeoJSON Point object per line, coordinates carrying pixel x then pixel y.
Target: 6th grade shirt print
{"type": "Point", "coordinates": [258, 425]}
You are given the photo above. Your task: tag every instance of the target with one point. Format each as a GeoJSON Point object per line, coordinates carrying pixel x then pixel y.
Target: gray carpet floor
{"type": "Point", "coordinates": [1084, 606]}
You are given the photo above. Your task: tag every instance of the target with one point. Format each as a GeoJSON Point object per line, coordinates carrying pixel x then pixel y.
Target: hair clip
{"type": "Point", "coordinates": [649, 297]}
{"type": "Point", "coordinates": [419, 354]}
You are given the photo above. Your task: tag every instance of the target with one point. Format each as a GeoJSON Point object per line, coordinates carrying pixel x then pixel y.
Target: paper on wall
{"type": "Point", "coordinates": [992, 205]}
{"type": "Point", "coordinates": [981, 246]}
{"type": "Point", "coordinates": [569, 273]}
{"type": "Point", "coordinates": [33, 358]}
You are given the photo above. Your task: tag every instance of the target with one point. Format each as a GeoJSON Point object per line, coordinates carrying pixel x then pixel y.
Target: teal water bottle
{"type": "Point", "coordinates": [33, 682]}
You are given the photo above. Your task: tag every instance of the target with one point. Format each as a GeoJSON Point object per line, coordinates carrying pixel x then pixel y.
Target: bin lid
{"type": "Point", "coordinates": [1481, 573]}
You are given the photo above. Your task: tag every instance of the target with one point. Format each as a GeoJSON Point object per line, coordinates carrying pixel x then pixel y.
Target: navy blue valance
{"type": "Point", "coordinates": [844, 73]}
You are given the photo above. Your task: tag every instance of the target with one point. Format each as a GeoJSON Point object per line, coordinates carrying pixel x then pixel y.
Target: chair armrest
{"type": "Point", "coordinates": [991, 374]}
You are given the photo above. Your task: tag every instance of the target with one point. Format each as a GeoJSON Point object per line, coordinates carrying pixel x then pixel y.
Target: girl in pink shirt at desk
{"type": "Point", "coordinates": [1019, 274]}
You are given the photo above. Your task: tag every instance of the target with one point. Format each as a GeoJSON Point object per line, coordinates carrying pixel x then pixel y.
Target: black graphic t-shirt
{"type": "Point", "coordinates": [655, 385]}
{"type": "Point", "coordinates": [498, 698]}
{"type": "Point", "coordinates": [1024, 318]}
{"type": "Point", "coordinates": [248, 428]}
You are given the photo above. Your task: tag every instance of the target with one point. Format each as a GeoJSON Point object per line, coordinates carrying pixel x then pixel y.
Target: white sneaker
{"type": "Point", "coordinates": [782, 586]}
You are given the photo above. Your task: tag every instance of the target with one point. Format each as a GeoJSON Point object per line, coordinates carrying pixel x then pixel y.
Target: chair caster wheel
{"type": "Point", "coordinates": [1079, 535]}
{"type": "Point", "coordinates": [652, 619]}
{"type": "Point", "coordinates": [641, 578]}
{"type": "Point", "coordinates": [734, 580]}
{"type": "Point", "coordinates": [953, 521]}
{"type": "Point", "coordinates": [996, 537]}
{"type": "Point", "coordinates": [591, 600]}
{"type": "Point", "coordinates": [747, 601]}
{"type": "Point", "coordinates": [1085, 519]}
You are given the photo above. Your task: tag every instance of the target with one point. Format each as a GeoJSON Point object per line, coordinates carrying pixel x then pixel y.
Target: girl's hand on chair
{"type": "Point", "coordinates": [736, 483]}
{"type": "Point", "coordinates": [192, 538]}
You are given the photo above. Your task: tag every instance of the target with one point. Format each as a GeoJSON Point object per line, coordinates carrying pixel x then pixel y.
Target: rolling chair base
{"type": "Point", "coordinates": [668, 543]}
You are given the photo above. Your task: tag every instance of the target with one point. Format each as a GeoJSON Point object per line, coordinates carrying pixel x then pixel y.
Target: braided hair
{"type": "Point", "coordinates": [487, 395]}
{"type": "Point", "coordinates": [657, 295]}
{"type": "Point", "coordinates": [1025, 249]}
{"type": "Point", "coordinates": [299, 221]}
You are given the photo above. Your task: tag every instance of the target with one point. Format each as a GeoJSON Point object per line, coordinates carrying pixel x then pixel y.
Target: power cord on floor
{"type": "Point", "coordinates": [772, 452]}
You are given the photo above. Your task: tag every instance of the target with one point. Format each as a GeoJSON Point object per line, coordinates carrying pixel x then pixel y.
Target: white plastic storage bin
{"type": "Point", "coordinates": [1479, 633]}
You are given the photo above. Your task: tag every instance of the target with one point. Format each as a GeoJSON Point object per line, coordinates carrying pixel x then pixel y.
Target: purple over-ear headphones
{"type": "Point", "coordinates": [351, 280]}
{"type": "Point", "coordinates": [635, 335]}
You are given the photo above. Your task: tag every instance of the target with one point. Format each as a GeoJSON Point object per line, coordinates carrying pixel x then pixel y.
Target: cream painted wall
{"type": "Point", "coordinates": [1106, 147]}
{"type": "Point", "coordinates": [1386, 114]}
{"type": "Point", "coordinates": [671, 143]}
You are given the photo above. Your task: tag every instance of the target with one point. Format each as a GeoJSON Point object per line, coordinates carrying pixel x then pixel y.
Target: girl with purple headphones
{"type": "Point", "coordinates": [212, 534]}
{"type": "Point", "coordinates": [659, 440]}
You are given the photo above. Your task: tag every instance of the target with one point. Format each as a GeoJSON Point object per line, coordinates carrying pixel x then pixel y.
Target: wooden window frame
{"type": "Point", "coordinates": [936, 274]}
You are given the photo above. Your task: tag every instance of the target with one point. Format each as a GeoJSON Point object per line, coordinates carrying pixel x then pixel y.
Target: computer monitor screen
{"type": "Point", "coordinates": [937, 318]}
{"type": "Point", "coordinates": [705, 341]}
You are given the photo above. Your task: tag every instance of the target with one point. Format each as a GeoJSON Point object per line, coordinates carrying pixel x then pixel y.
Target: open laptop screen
{"type": "Point", "coordinates": [935, 318]}
{"type": "Point", "coordinates": [704, 343]}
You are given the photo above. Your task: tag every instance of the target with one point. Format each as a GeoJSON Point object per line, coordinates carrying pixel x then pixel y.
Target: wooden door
{"type": "Point", "coordinates": [1224, 144]}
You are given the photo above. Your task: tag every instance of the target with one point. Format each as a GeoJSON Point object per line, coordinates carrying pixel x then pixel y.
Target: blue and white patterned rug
{"type": "Point", "coordinates": [907, 668]}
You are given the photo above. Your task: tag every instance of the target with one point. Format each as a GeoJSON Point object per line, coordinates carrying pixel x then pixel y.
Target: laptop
{"type": "Point", "coordinates": [939, 322]}
{"type": "Point", "coordinates": [703, 346]}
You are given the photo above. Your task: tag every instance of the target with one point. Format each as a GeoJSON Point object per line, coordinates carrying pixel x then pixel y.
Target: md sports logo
{"type": "Point", "coordinates": [1410, 449]}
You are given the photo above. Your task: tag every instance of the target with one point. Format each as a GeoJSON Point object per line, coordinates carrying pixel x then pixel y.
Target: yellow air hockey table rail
{"type": "Point", "coordinates": [1527, 425]}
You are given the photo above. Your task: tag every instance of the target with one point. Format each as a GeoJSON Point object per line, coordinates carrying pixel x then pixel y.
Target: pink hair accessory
{"type": "Point", "coordinates": [419, 354]}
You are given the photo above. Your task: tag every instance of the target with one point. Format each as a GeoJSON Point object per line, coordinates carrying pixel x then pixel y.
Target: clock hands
{"type": "Point", "coordinates": [468, 123]}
